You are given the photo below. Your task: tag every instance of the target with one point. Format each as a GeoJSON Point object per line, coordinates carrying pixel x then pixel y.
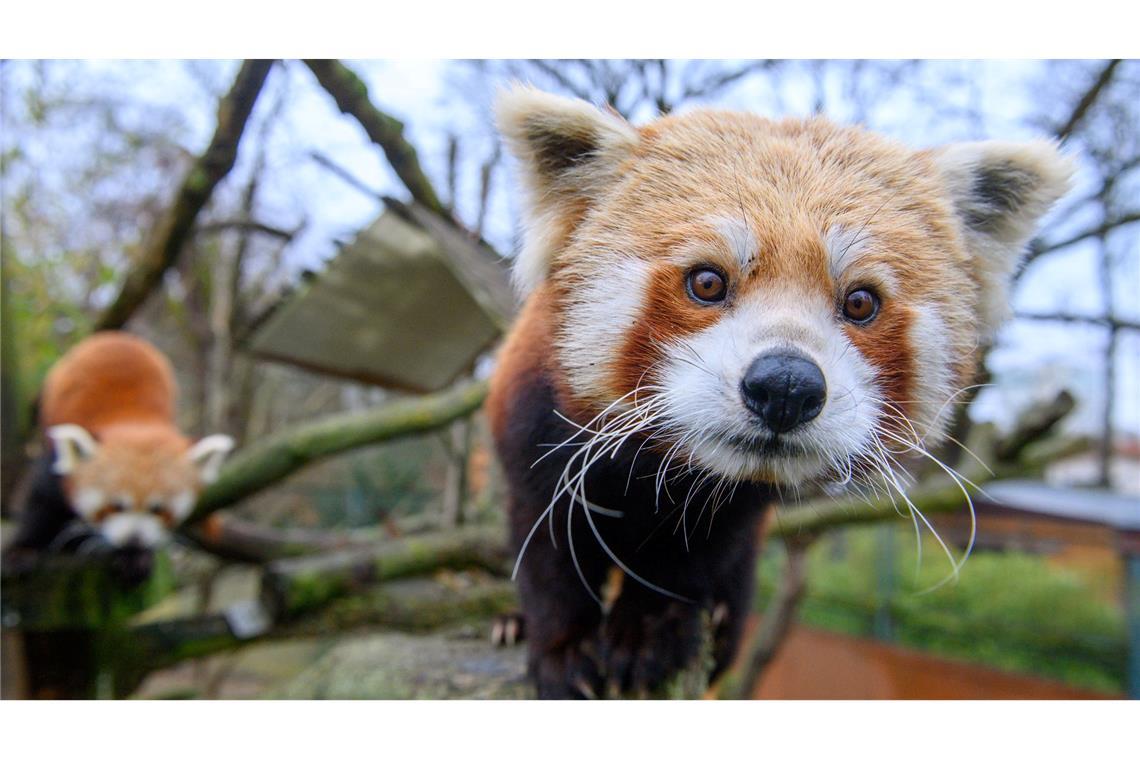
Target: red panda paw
{"type": "Point", "coordinates": [571, 671]}
{"type": "Point", "coordinates": [642, 650]}
{"type": "Point", "coordinates": [130, 566]}
{"type": "Point", "coordinates": [508, 630]}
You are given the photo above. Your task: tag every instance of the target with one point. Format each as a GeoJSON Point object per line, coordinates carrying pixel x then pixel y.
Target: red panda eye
{"type": "Point", "coordinates": [707, 286]}
{"type": "Point", "coordinates": [861, 306]}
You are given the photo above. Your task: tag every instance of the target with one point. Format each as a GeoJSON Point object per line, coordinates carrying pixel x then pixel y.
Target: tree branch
{"type": "Point", "coordinates": [387, 132]}
{"type": "Point", "coordinates": [247, 225]}
{"type": "Point", "coordinates": [1088, 319]}
{"type": "Point", "coordinates": [232, 538]}
{"type": "Point", "coordinates": [554, 72]}
{"type": "Point", "coordinates": [1038, 248]}
{"type": "Point", "coordinates": [263, 465]}
{"type": "Point", "coordinates": [774, 626]}
{"type": "Point", "coordinates": [345, 175]}
{"type": "Point", "coordinates": [717, 82]}
{"type": "Point", "coordinates": [1087, 100]}
{"type": "Point", "coordinates": [293, 587]}
{"type": "Point", "coordinates": [415, 604]}
{"type": "Point", "coordinates": [209, 169]}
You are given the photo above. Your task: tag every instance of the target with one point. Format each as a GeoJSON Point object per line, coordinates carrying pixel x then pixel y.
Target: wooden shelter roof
{"type": "Point", "coordinates": [410, 304]}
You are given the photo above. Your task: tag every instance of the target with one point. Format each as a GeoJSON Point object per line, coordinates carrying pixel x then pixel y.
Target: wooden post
{"type": "Point", "coordinates": [61, 618]}
{"type": "Point", "coordinates": [455, 484]}
{"type": "Point", "coordinates": [885, 586]}
{"type": "Point", "coordinates": [1132, 611]}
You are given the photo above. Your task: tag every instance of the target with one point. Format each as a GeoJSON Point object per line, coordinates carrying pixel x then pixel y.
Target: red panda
{"type": "Point", "coordinates": [116, 458]}
{"type": "Point", "coordinates": [720, 306]}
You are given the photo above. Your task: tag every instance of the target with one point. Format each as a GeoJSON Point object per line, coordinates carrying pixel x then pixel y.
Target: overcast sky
{"type": "Point", "coordinates": [1033, 358]}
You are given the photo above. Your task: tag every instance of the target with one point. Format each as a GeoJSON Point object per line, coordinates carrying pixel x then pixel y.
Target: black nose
{"type": "Point", "coordinates": [786, 390]}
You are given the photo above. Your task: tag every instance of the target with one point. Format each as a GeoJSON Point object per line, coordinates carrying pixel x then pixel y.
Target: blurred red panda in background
{"type": "Point", "coordinates": [116, 458]}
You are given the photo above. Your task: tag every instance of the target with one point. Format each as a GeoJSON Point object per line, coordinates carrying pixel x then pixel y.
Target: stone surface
{"type": "Point", "coordinates": [458, 664]}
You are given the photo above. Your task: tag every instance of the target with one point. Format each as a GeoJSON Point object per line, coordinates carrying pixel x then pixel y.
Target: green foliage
{"type": "Point", "coordinates": [66, 592]}
{"type": "Point", "coordinates": [1007, 610]}
{"type": "Point", "coordinates": [387, 480]}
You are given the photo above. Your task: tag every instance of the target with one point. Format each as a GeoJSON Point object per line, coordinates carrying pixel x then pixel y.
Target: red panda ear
{"type": "Point", "coordinates": [72, 445]}
{"type": "Point", "coordinates": [569, 151]}
{"type": "Point", "coordinates": [1000, 190]}
{"type": "Point", "coordinates": [208, 454]}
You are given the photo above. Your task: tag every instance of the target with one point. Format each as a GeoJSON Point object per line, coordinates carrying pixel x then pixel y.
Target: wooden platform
{"type": "Point", "coordinates": [820, 665]}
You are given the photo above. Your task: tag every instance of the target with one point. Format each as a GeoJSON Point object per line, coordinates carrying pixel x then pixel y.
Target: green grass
{"type": "Point", "coordinates": [1007, 610]}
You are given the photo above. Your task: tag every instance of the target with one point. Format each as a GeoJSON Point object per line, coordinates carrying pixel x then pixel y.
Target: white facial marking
{"type": "Point", "coordinates": [602, 312]}
{"type": "Point", "coordinates": [934, 378]}
{"type": "Point", "coordinates": [706, 407]}
{"type": "Point", "coordinates": [740, 238]}
{"type": "Point", "coordinates": [844, 248]}
{"type": "Point", "coordinates": [125, 527]}
{"type": "Point", "coordinates": [87, 502]}
{"type": "Point", "coordinates": [181, 505]}
{"type": "Point", "coordinates": [847, 253]}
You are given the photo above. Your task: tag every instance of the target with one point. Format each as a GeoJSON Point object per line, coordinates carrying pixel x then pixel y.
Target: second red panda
{"type": "Point", "coordinates": [117, 461]}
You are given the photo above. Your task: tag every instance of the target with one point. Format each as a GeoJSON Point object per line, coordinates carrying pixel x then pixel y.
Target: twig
{"type": "Point", "coordinates": [1088, 319]}
{"type": "Point", "coordinates": [246, 225]}
{"type": "Point", "coordinates": [1037, 249]}
{"type": "Point", "coordinates": [1087, 100]}
{"type": "Point", "coordinates": [344, 174]}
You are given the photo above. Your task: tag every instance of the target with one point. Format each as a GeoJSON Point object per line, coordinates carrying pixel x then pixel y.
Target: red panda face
{"type": "Point", "coordinates": [137, 482]}
{"type": "Point", "coordinates": [773, 301]}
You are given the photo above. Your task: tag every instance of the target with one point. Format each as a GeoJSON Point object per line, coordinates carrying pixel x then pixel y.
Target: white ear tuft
{"type": "Point", "coordinates": [208, 455]}
{"type": "Point", "coordinates": [73, 444]}
{"type": "Point", "coordinates": [569, 151]}
{"type": "Point", "coordinates": [1000, 190]}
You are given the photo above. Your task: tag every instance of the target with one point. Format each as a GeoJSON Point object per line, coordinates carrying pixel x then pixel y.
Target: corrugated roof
{"type": "Point", "coordinates": [1120, 511]}
{"type": "Point", "coordinates": [401, 306]}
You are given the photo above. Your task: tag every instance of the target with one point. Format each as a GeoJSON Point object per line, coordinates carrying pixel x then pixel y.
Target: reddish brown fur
{"type": "Point", "coordinates": [121, 390]}
{"type": "Point", "coordinates": [885, 343]}
{"type": "Point", "coordinates": [791, 180]}
{"type": "Point", "coordinates": [133, 383]}
{"type": "Point", "coordinates": [527, 350]}
{"type": "Point", "coordinates": [668, 314]}
{"type": "Point", "coordinates": [617, 217]}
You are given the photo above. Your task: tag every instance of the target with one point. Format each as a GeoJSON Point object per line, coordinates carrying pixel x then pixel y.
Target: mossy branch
{"type": "Point", "coordinates": [268, 462]}
{"type": "Point", "coordinates": [174, 228]}
{"type": "Point", "coordinates": [386, 131]}
{"type": "Point", "coordinates": [293, 587]}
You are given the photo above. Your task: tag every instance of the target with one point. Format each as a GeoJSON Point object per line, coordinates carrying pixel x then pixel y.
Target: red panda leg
{"type": "Point", "coordinates": [45, 511]}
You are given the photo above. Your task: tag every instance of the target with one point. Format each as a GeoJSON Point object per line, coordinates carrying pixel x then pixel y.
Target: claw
{"type": "Point", "coordinates": [583, 686]}
{"type": "Point", "coordinates": [719, 615]}
{"type": "Point", "coordinates": [507, 630]}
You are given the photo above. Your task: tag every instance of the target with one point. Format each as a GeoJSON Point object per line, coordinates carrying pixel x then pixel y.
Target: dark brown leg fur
{"type": "Point", "coordinates": [575, 650]}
